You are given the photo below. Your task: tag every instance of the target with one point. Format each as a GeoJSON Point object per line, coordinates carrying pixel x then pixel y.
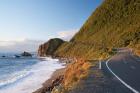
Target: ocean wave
{"type": "Point", "coordinates": [13, 78]}
{"type": "Point", "coordinates": [32, 79]}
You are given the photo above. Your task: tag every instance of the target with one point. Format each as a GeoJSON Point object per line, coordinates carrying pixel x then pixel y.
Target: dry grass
{"type": "Point", "coordinates": [137, 52]}
{"type": "Point", "coordinates": [136, 49]}
{"type": "Point", "coordinates": [75, 72]}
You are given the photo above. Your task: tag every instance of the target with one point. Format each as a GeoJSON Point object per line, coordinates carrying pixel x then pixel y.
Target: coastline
{"type": "Point", "coordinates": [37, 74]}
{"type": "Point", "coordinates": [56, 77]}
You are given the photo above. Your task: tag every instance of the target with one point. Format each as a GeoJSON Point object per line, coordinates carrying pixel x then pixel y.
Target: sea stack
{"type": "Point", "coordinates": [49, 48]}
{"type": "Point", "coordinates": [26, 54]}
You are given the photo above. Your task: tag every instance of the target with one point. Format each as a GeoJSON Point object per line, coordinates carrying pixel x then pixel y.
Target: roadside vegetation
{"type": "Point", "coordinates": [74, 73]}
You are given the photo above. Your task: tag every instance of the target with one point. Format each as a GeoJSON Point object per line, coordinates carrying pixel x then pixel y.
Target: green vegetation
{"type": "Point", "coordinates": [49, 47]}
{"type": "Point", "coordinates": [114, 24]}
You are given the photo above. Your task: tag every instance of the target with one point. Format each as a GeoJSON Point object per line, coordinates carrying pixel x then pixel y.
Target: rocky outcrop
{"type": "Point", "coordinates": [48, 48]}
{"type": "Point", "coordinates": [26, 54]}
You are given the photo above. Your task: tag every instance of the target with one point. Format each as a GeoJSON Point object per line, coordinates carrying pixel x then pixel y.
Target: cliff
{"type": "Point", "coordinates": [48, 48]}
{"type": "Point", "coordinates": [114, 24]}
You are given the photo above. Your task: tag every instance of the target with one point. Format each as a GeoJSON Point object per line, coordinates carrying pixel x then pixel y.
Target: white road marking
{"type": "Point", "coordinates": [128, 86]}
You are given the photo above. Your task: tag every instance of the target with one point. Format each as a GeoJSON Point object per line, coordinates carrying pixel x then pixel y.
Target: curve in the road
{"type": "Point", "coordinates": [124, 83]}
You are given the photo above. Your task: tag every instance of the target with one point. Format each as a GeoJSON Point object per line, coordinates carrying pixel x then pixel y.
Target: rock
{"type": "Point", "coordinates": [17, 56]}
{"type": "Point", "coordinates": [3, 56]}
{"type": "Point", "coordinates": [48, 48]}
{"type": "Point", "coordinates": [26, 54]}
{"type": "Point", "coordinates": [57, 89]}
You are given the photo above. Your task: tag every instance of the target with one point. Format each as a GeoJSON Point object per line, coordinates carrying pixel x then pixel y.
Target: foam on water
{"type": "Point", "coordinates": [30, 80]}
{"type": "Point", "coordinates": [13, 78]}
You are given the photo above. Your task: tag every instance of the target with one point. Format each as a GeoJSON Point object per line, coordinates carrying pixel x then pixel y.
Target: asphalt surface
{"type": "Point", "coordinates": [99, 81]}
{"type": "Point", "coordinates": [127, 67]}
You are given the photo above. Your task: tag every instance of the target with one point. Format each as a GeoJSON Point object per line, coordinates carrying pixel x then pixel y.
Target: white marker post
{"type": "Point", "coordinates": [100, 64]}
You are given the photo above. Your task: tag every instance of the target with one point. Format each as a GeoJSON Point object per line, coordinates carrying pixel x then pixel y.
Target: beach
{"type": "Point", "coordinates": [48, 84]}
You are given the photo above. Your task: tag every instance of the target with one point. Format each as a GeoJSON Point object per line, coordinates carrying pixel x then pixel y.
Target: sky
{"type": "Point", "coordinates": [28, 23]}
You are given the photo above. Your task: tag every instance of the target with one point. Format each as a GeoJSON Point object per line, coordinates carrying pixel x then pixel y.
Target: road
{"type": "Point", "coordinates": [126, 68]}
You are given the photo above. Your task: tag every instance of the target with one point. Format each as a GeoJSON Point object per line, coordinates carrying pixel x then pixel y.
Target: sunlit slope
{"type": "Point", "coordinates": [116, 23]}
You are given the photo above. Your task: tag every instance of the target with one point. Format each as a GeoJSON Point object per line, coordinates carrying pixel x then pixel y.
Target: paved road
{"type": "Point", "coordinates": [99, 81]}
{"type": "Point", "coordinates": [127, 67]}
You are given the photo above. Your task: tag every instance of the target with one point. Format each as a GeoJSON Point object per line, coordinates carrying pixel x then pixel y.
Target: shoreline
{"type": "Point", "coordinates": [49, 84]}
{"type": "Point", "coordinates": [35, 78]}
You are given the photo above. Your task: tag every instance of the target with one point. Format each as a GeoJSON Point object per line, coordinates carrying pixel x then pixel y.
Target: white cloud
{"type": "Point", "coordinates": [6, 43]}
{"type": "Point", "coordinates": [22, 44]}
{"type": "Point", "coordinates": [19, 46]}
{"type": "Point", "coordinates": [67, 35]}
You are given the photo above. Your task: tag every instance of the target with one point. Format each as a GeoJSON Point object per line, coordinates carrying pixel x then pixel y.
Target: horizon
{"type": "Point", "coordinates": [33, 22]}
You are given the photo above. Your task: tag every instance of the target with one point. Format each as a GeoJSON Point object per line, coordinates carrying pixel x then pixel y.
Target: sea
{"type": "Point", "coordinates": [25, 75]}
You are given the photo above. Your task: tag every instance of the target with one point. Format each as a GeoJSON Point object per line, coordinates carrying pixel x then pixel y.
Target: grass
{"type": "Point", "coordinates": [75, 71]}
{"type": "Point", "coordinates": [137, 50]}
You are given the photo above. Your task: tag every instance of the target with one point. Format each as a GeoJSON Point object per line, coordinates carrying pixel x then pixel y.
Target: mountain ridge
{"type": "Point", "coordinates": [114, 24]}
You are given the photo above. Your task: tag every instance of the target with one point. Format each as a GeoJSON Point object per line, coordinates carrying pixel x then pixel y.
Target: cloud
{"type": "Point", "coordinates": [6, 43]}
{"type": "Point", "coordinates": [67, 35]}
{"type": "Point", "coordinates": [20, 46]}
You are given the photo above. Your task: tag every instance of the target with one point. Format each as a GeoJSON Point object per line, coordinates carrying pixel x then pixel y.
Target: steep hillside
{"type": "Point", "coordinates": [49, 47]}
{"type": "Point", "coordinates": [116, 23]}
